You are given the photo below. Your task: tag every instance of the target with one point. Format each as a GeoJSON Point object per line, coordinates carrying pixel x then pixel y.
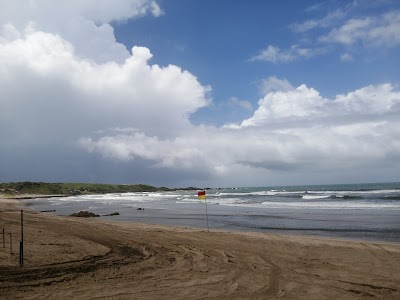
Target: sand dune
{"type": "Point", "coordinates": [74, 258]}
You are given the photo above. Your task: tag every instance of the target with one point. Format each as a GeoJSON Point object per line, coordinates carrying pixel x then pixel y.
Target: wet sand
{"type": "Point", "coordinates": [75, 258]}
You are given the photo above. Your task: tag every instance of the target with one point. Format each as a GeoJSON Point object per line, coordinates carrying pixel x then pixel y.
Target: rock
{"type": "Point", "coordinates": [84, 214]}
{"type": "Point", "coordinates": [113, 214]}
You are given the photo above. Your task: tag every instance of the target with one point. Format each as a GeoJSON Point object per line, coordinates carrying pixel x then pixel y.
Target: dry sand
{"type": "Point", "coordinates": [75, 258]}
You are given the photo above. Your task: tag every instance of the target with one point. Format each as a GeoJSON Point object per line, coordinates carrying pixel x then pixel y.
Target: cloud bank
{"type": "Point", "coordinates": [291, 130]}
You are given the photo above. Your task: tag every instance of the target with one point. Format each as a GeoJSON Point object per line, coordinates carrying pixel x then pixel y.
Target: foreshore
{"type": "Point", "coordinates": [75, 258]}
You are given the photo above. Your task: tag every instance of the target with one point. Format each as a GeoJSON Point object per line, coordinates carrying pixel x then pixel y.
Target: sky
{"type": "Point", "coordinates": [199, 92]}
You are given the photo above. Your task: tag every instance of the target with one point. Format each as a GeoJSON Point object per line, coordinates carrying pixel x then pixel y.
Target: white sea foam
{"type": "Point", "coordinates": [348, 192]}
{"type": "Point", "coordinates": [186, 201]}
{"type": "Point", "coordinates": [231, 200]}
{"type": "Point", "coordinates": [331, 205]}
{"type": "Point", "coordinates": [312, 197]}
{"type": "Point", "coordinates": [259, 193]}
{"type": "Point", "coordinates": [302, 199]}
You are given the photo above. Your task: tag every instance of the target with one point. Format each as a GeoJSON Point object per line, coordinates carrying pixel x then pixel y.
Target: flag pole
{"type": "Point", "coordinates": [202, 196]}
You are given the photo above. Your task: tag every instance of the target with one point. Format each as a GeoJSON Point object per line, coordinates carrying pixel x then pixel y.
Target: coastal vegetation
{"type": "Point", "coordinates": [45, 188]}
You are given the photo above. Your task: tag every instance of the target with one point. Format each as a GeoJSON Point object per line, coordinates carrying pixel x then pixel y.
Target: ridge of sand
{"type": "Point", "coordinates": [74, 258]}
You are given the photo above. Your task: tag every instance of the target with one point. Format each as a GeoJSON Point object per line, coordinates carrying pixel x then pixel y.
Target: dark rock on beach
{"type": "Point", "coordinates": [84, 214]}
{"type": "Point", "coordinates": [113, 214]}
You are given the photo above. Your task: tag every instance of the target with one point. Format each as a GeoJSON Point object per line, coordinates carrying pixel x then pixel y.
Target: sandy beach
{"type": "Point", "coordinates": [76, 258]}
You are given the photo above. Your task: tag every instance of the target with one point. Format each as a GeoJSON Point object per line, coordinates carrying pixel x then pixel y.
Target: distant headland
{"type": "Point", "coordinates": [73, 189]}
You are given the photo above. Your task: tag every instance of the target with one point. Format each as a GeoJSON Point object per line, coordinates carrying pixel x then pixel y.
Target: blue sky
{"type": "Point", "coordinates": [200, 93]}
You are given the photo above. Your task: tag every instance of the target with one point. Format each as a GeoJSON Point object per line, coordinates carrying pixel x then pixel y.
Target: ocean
{"type": "Point", "coordinates": [352, 211]}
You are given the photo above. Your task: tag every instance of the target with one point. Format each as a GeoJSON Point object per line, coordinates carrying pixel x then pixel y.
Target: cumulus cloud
{"type": "Point", "coordinates": [298, 103]}
{"type": "Point", "coordinates": [306, 104]}
{"type": "Point", "coordinates": [47, 12]}
{"type": "Point", "coordinates": [66, 78]}
{"type": "Point", "coordinates": [85, 24]}
{"type": "Point", "coordinates": [290, 131]}
{"type": "Point", "coordinates": [43, 82]}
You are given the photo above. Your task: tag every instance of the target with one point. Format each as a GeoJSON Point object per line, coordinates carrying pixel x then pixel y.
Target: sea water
{"type": "Point", "coordinates": [357, 211]}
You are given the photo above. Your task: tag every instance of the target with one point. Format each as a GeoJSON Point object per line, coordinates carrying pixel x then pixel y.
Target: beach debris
{"type": "Point", "coordinates": [84, 214]}
{"type": "Point", "coordinates": [113, 214]}
{"type": "Point", "coordinates": [49, 210]}
{"type": "Point", "coordinates": [140, 208]}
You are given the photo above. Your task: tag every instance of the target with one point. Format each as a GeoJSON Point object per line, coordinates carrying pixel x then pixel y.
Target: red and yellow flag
{"type": "Point", "coordinates": [202, 195]}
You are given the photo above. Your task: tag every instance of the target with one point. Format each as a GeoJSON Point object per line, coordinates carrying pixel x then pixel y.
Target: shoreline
{"type": "Point", "coordinates": [295, 232]}
{"type": "Point", "coordinates": [77, 258]}
{"type": "Point", "coordinates": [31, 196]}
{"type": "Point", "coordinates": [348, 225]}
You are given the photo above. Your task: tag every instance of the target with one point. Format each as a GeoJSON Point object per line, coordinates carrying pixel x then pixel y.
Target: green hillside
{"type": "Point", "coordinates": [73, 188]}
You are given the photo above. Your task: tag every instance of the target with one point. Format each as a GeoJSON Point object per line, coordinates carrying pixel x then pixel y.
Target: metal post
{"type": "Point", "coordinates": [21, 244]}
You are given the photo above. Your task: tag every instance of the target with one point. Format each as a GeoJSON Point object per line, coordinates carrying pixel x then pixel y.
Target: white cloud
{"type": "Point", "coordinates": [346, 57]}
{"type": "Point", "coordinates": [298, 103]}
{"type": "Point", "coordinates": [330, 19]}
{"type": "Point", "coordinates": [244, 104]}
{"type": "Point", "coordinates": [137, 111]}
{"type": "Point", "coordinates": [8, 33]}
{"type": "Point", "coordinates": [348, 33]}
{"type": "Point", "coordinates": [274, 84]}
{"type": "Point", "coordinates": [156, 9]}
{"type": "Point", "coordinates": [297, 130]}
{"type": "Point", "coordinates": [85, 24]}
{"type": "Point", "coordinates": [334, 17]}
{"type": "Point", "coordinates": [371, 100]}
{"type": "Point", "coordinates": [369, 31]}
{"type": "Point", "coordinates": [43, 82]}
{"type": "Point", "coordinates": [48, 12]}
{"type": "Point", "coordinates": [305, 104]}
{"type": "Point", "coordinates": [379, 31]}
{"type": "Point", "coordinates": [64, 80]}
{"type": "Point", "coordinates": [275, 55]}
